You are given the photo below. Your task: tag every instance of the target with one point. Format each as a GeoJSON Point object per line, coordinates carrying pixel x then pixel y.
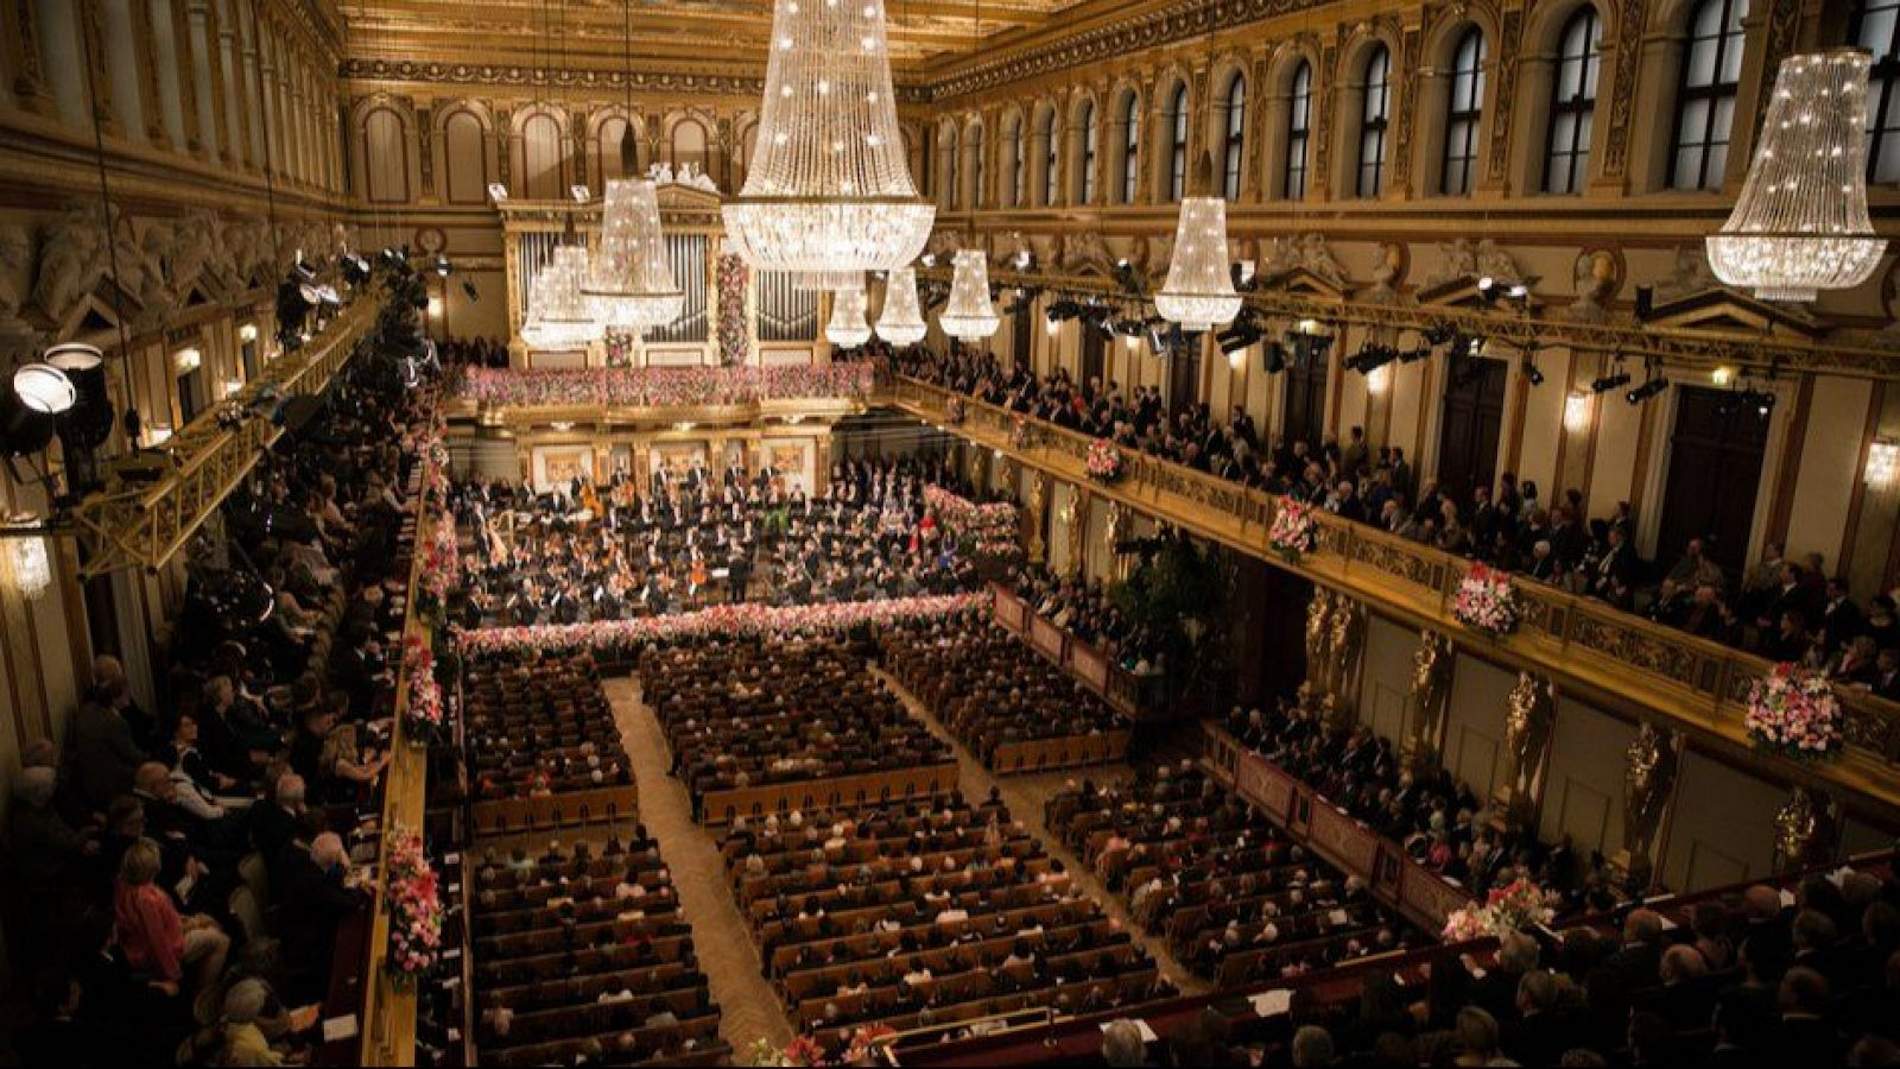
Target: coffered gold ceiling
{"type": "Point", "coordinates": [588, 33]}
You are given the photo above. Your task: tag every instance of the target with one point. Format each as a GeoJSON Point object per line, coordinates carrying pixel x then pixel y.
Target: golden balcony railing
{"type": "Point", "coordinates": [1588, 648]}
{"type": "Point", "coordinates": [142, 526]}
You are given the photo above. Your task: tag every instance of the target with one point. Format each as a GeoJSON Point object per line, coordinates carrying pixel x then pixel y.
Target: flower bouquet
{"type": "Point", "coordinates": [801, 1051]}
{"type": "Point", "coordinates": [1793, 712]}
{"type": "Point", "coordinates": [422, 715]}
{"type": "Point", "coordinates": [865, 1042]}
{"type": "Point", "coordinates": [440, 566]}
{"type": "Point", "coordinates": [1021, 432]}
{"type": "Point", "coordinates": [1105, 463]}
{"type": "Point", "coordinates": [414, 900]}
{"type": "Point", "coordinates": [1294, 531]}
{"type": "Point", "coordinates": [1486, 601]}
{"type": "Point", "coordinates": [1513, 907]}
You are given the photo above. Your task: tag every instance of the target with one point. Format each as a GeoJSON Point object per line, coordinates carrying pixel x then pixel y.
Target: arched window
{"type": "Point", "coordinates": [1573, 103]}
{"type": "Point", "coordinates": [1298, 123]}
{"type": "Point", "coordinates": [1372, 122]}
{"type": "Point", "coordinates": [465, 158]}
{"type": "Point", "coordinates": [1018, 163]}
{"type": "Point", "coordinates": [1234, 136]}
{"type": "Point", "coordinates": [1705, 101]}
{"type": "Point", "coordinates": [385, 158]}
{"type": "Point", "coordinates": [1049, 168]}
{"type": "Point", "coordinates": [1465, 107]}
{"type": "Point", "coordinates": [613, 130]}
{"type": "Point", "coordinates": [1090, 138]}
{"type": "Point", "coordinates": [1177, 142]}
{"type": "Point", "coordinates": [973, 144]}
{"type": "Point", "coordinates": [541, 158]}
{"type": "Point", "coordinates": [1876, 27]}
{"type": "Point", "coordinates": [1131, 147]}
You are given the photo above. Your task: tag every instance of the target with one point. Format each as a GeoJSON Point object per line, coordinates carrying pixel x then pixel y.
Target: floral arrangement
{"type": "Point", "coordinates": [1104, 461]}
{"type": "Point", "coordinates": [1513, 907]}
{"type": "Point", "coordinates": [866, 1040]}
{"type": "Point", "coordinates": [1486, 601]}
{"type": "Point", "coordinates": [801, 1051]}
{"type": "Point", "coordinates": [734, 347]}
{"type": "Point", "coordinates": [422, 716]}
{"type": "Point", "coordinates": [665, 387]}
{"type": "Point", "coordinates": [413, 898]}
{"type": "Point", "coordinates": [619, 345]}
{"type": "Point", "coordinates": [441, 567]}
{"type": "Point", "coordinates": [1793, 711]}
{"type": "Point", "coordinates": [955, 412]}
{"type": "Point", "coordinates": [988, 533]}
{"type": "Point", "coordinates": [747, 619]}
{"type": "Point", "coordinates": [1294, 531]}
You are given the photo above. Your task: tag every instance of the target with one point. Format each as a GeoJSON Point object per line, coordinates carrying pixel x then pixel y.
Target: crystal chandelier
{"type": "Point", "coordinates": [847, 329]}
{"type": "Point", "coordinates": [1801, 223]}
{"type": "Point", "coordinates": [829, 189]}
{"type": "Point", "coordinates": [558, 316]}
{"type": "Point", "coordinates": [821, 281]}
{"type": "Point", "coordinates": [1199, 292]}
{"type": "Point", "coordinates": [902, 321]}
{"type": "Point", "coordinates": [970, 316]}
{"type": "Point", "coordinates": [629, 282]}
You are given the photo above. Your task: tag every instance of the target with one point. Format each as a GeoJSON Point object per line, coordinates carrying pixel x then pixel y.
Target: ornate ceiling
{"type": "Point", "coordinates": [588, 33]}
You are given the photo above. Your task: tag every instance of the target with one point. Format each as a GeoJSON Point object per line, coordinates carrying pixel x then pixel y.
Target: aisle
{"type": "Point", "coordinates": [1025, 796]}
{"type": "Point", "coordinates": [749, 1007]}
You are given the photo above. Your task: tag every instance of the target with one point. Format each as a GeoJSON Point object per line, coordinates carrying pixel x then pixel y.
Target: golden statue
{"type": "Point", "coordinates": [1649, 776]}
{"type": "Point", "coordinates": [1527, 718]}
{"type": "Point", "coordinates": [1344, 646]}
{"type": "Point", "coordinates": [1804, 830]}
{"type": "Point", "coordinates": [1318, 637]}
{"type": "Point", "coordinates": [1430, 696]}
{"type": "Point", "coordinates": [1112, 535]}
{"type": "Point", "coordinates": [1038, 497]}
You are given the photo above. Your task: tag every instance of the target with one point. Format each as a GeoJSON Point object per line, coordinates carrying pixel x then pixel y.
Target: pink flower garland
{"type": "Point", "coordinates": [665, 387]}
{"type": "Point", "coordinates": [413, 897]}
{"type": "Point", "coordinates": [748, 619]}
{"type": "Point", "coordinates": [1793, 711]}
{"type": "Point", "coordinates": [1486, 601]}
{"type": "Point", "coordinates": [422, 715]}
{"type": "Point", "coordinates": [734, 345]}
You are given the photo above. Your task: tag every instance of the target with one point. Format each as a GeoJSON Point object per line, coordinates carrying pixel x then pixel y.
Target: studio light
{"type": "Point", "coordinates": [443, 268]}
{"type": "Point", "coordinates": [87, 422]}
{"type": "Point", "coordinates": [1531, 374]}
{"type": "Point", "coordinates": [39, 394]}
{"type": "Point", "coordinates": [1273, 358]}
{"type": "Point", "coordinates": [1607, 383]}
{"type": "Point", "coordinates": [1650, 388]}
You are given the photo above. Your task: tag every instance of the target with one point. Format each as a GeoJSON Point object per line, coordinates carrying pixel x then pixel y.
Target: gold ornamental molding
{"type": "Point", "coordinates": [1680, 347]}
{"type": "Point", "coordinates": [143, 526]}
{"type": "Point", "coordinates": [1616, 660]}
{"type": "Point", "coordinates": [738, 79]}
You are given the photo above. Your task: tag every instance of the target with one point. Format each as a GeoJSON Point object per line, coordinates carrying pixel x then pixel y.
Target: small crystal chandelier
{"type": "Point", "coordinates": [830, 190]}
{"type": "Point", "coordinates": [902, 321]}
{"type": "Point", "coordinates": [847, 329]}
{"type": "Point", "coordinates": [629, 282]}
{"type": "Point", "coordinates": [1801, 224]}
{"type": "Point", "coordinates": [970, 316]}
{"type": "Point", "coordinates": [1199, 292]}
{"type": "Point", "coordinates": [558, 316]}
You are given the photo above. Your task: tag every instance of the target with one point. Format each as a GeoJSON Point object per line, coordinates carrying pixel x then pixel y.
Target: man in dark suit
{"type": "Point", "coordinates": [101, 752]}
{"type": "Point", "coordinates": [1807, 1036]}
{"type": "Point", "coordinates": [315, 901]}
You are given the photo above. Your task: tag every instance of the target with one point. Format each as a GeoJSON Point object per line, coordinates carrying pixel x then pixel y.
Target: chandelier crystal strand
{"type": "Point", "coordinates": [560, 319]}
{"type": "Point", "coordinates": [847, 329]}
{"type": "Point", "coordinates": [970, 316]}
{"type": "Point", "coordinates": [902, 321]}
{"type": "Point", "coordinates": [1199, 293]}
{"type": "Point", "coordinates": [1801, 223]}
{"type": "Point", "coordinates": [830, 189]}
{"type": "Point", "coordinates": [630, 283]}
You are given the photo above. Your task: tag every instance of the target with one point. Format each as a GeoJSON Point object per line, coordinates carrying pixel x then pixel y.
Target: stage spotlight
{"type": "Point", "coordinates": [1650, 388]}
{"type": "Point", "coordinates": [469, 291]}
{"type": "Point", "coordinates": [1273, 358]}
{"type": "Point", "coordinates": [1126, 278]}
{"type": "Point", "coordinates": [1488, 289]}
{"type": "Point", "coordinates": [1610, 382]}
{"type": "Point", "coordinates": [88, 422]}
{"type": "Point", "coordinates": [40, 393]}
{"type": "Point", "coordinates": [443, 268]}
{"type": "Point", "coordinates": [1531, 373]}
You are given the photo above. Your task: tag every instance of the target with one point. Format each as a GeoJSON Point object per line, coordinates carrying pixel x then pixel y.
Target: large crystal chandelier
{"type": "Point", "coordinates": [847, 329]}
{"type": "Point", "coordinates": [1199, 292]}
{"type": "Point", "coordinates": [1801, 223]}
{"type": "Point", "coordinates": [970, 316]}
{"type": "Point", "coordinates": [629, 283]}
{"type": "Point", "coordinates": [902, 321]}
{"type": "Point", "coordinates": [558, 316]}
{"type": "Point", "coordinates": [829, 189]}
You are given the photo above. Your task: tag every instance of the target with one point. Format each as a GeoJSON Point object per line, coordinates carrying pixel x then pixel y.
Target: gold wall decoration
{"type": "Point", "coordinates": [1430, 697]}
{"type": "Point", "coordinates": [1113, 531]}
{"type": "Point", "coordinates": [1649, 783]}
{"type": "Point", "coordinates": [1077, 518]}
{"type": "Point", "coordinates": [1319, 635]}
{"type": "Point", "coordinates": [1038, 505]}
{"type": "Point", "coordinates": [1530, 710]}
{"type": "Point", "coordinates": [1345, 648]}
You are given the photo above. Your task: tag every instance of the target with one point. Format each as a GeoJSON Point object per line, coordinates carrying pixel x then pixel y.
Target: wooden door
{"type": "Point", "coordinates": [1303, 416]}
{"type": "Point", "coordinates": [1468, 434]}
{"type": "Point", "coordinates": [1094, 355]}
{"type": "Point", "coordinates": [1712, 435]}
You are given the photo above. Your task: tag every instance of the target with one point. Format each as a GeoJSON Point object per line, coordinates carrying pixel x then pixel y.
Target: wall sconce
{"type": "Point", "coordinates": [684, 427]}
{"type": "Point", "coordinates": [31, 568]}
{"type": "Point", "coordinates": [1051, 326]}
{"type": "Point", "coordinates": [435, 308]}
{"type": "Point", "coordinates": [156, 434]}
{"type": "Point", "coordinates": [232, 386]}
{"type": "Point", "coordinates": [1722, 376]}
{"type": "Point", "coordinates": [187, 360]}
{"type": "Point", "coordinates": [1883, 462]}
{"type": "Point", "coordinates": [247, 332]}
{"type": "Point", "coordinates": [562, 425]}
{"type": "Point", "coordinates": [1576, 411]}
